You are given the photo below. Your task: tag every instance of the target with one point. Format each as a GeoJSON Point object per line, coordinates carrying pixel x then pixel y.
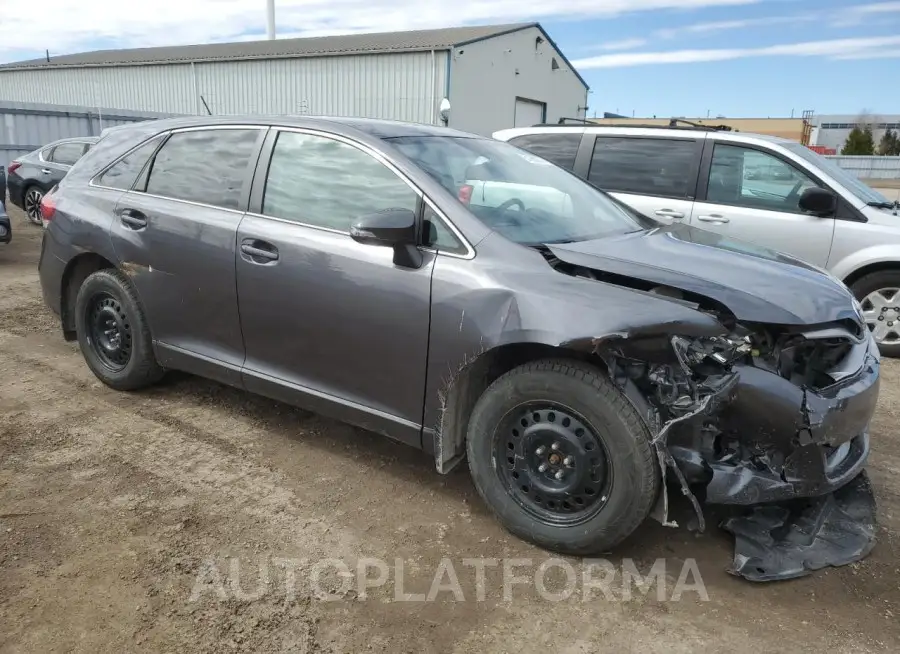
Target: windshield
{"type": "Point", "coordinates": [863, 192]}
{"type": "Point", "coordinates": [523, 197]}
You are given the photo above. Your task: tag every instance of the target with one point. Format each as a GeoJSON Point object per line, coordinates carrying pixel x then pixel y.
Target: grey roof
{"type": "Point", "coordinates": [440, 39]}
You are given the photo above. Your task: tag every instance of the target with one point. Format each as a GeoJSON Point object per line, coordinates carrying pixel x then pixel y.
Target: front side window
{"type": "Point", "coordinates": [557, 148]}
{"type": "Point", "coordinates": [67, 153]}
{"type": "Point", "coordinates": [749, 178]}
{"type": "Point", "coordinates": [523, 197]}
{"type": "Point", "coordinates": [206, 166]}
{"type": "Point", "coordinates": [323, 182]}
{"type": "Point", "coordinates": [124, 172]}
{"type": "Point", "coordinates": [646, 166]}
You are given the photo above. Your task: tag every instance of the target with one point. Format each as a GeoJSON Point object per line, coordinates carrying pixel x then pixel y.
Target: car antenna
{"type": "Point", "coordinates": [674, 122]}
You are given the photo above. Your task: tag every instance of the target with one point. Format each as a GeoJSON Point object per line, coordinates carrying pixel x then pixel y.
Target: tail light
{"type": "Point", "coordinates": [14, 166]}
{"type": "Point", "coordinates": [48, 208]}
{"type": "Point", "coordinates": [465, 194]}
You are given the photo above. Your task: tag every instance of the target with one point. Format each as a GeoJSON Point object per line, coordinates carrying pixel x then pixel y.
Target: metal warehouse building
{"type": "Point", "coordinates": [494, 77]}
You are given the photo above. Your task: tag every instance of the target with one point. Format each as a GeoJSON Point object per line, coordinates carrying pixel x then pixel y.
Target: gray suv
{"type": "Point", "coordinates": [465, 297]}
{"type": "Point", "coordinates": [761, 189]}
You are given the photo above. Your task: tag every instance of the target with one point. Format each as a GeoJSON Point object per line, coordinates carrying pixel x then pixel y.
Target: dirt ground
{"type": "Point", "coordinates": [121, 516]}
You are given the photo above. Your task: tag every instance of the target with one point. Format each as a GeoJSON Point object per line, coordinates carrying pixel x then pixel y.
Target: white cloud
{"type": "Point", "coordinates": [724, 25]}
{"type": "Point", "coordinates": [74, 25]}
{"type": "Point", "coordinates": [836, 48]}
{"type": "Point", "coordinates": [871, 54]}
{"type": "Point", "coordinates": [624, 44]}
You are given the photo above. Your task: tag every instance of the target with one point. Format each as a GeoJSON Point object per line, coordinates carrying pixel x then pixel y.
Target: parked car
{"type": "Point", "coordinates": [465, 297]}
{"type": "Point", "coordinates": [5, 226]}
{"type": "Point", "coordinates": [807, 206]}
{"type": "Point", "coordinates": [33, 175]}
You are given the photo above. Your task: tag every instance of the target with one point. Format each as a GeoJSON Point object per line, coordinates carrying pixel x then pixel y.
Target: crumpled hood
{"type": "Point", "coordinates": [755, 283]}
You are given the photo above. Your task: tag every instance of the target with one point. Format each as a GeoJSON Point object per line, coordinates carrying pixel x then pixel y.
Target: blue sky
{"type": "Point", "coordinates": [650, 57]}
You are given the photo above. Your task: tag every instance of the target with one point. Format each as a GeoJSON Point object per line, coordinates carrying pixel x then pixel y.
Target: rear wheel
{"type": "Point", "coordinates": [113, 333]}
{"type": "Point", "coordinates": [879, 295]}
{"type": "Point", "coordinates": [32, 204]}
{"type": "Point", "coordinates": [562, 458]}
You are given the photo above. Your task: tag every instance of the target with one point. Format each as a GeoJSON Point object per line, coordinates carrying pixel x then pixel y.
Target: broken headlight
{"type": "Point", "coordinates": [719, 351]}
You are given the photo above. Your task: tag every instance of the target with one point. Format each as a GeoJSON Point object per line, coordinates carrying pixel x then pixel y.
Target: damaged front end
{"type": "Point", "coordinates": [772, 418]}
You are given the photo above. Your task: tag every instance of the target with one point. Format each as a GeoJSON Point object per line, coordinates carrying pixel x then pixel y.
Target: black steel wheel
{"type": "Point", "coordinates": [557, 466]}
{"type": "Point", "coordinates": [113, 333]}
{"type": "Point", "coordinates": [109, 332]}
{"type": "Point", "coordinates": [561, 457]}
{"type": "Point", "coordinates": [32, 202]}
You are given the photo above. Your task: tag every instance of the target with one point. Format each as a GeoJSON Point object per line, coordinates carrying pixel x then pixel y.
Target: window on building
{"type": "Point", "coordinates": [743, 177]}
{"type": "Point", "coordinates": [663, 167]}
{"type": "Point", "coordinates": [124, 173]}
{"type": "Point", "coordinates": [67, 153]}
{"type": "Point", "coordinates": [556, 148]}
{"type": "Point", "coordinates": [323, 182]}
{"type": "Point", "coordinates": [207, 166]}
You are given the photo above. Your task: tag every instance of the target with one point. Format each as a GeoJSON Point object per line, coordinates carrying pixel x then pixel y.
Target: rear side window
{"type": "Point", "coordinates": [663, 167]}
{"type": "Point", "coordinates": [326, 183]}
{"type": "Point", "coordinates": [126, 170]}
{"type": "Point", "coordinates": [206, 166]}
{"type": "Point", "coordinates": [67, 153]}
{"type": "Point", "coordinates": [557, 148]}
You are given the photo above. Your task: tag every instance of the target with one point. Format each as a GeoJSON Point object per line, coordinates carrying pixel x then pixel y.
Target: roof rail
{"type": "Point", "coordinates": [583, 121]}
{"type": "Point", "coordinates": [712, 128]}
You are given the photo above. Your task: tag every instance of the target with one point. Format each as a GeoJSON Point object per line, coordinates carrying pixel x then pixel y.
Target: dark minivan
{"type": "Point", "coordinates": [467, 298]}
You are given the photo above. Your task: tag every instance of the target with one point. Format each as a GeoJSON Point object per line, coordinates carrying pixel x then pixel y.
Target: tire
{"type": "Point", "coordinates": [868, 284]}
{"type": "Point", "coordinates": [33, 194]}
{"type": "Point", "coordinates": [585, 394]}
{"type": "Point", "coordinates": [107, 298]}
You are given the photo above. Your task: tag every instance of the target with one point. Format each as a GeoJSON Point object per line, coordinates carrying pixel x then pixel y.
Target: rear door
{"type": "Point", "coordinates": [57, 160]}
{"type": "Point", "coordinates": [752, 194]}
{"type": "Point", "coordinates": [174, 233]}
{"type": "Point", "coordinates": [329, 323]}
{"type": "Point", "coordinates": [655, 175]}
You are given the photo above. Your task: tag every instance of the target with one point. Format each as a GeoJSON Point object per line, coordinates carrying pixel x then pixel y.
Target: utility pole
{"type": "Point", "coordinates": [270, 19]}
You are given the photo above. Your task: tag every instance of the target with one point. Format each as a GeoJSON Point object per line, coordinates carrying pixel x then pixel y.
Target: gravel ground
{"type": "Point", "coordinates": [176, 520]}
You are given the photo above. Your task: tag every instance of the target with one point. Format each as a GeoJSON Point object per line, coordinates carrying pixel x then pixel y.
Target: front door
{"type": "Point", "coordinates": [174, 234]}
{"type": "Point", "coordinates": [753, 195]}
{"type": "Point", "coordinates": [329, 323]}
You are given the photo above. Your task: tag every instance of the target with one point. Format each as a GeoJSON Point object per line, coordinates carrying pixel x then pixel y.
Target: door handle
{"type": "Point", "coordinates": [713, 218]}
{"type": "Point", "coordinates": [268, 253]}
{"type": "Point", "coordinates": [670, 213]}
{"type": "Point", "coordinates": [46, 171]}
{"type": "Point", "coordinates": [133, 219]}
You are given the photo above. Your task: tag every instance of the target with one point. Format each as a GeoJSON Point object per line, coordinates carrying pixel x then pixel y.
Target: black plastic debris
{"type": "Point", "coordinates": [785, 541]}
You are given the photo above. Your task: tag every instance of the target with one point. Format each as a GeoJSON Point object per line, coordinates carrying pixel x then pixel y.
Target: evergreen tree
{"type": "Point", "coordinates": [860, 141]}
{"type": "Point", "coordinates": [889, 146]}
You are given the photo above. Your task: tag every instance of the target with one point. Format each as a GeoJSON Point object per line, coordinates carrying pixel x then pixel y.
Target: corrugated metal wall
{"type": "Point", "coordinates": [24, 127]}
{"type": "Point", "coordinates": [402, 86]}
{"type": "Point", "coordinates": [864, 167]}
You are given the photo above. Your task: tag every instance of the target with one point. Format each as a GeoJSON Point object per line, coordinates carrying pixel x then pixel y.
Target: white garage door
{"type": "Point", "coordinates": [529, 112]}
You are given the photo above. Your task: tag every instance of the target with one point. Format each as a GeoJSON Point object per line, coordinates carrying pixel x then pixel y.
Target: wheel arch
{"type": "Point", "coordinates": [79, 268]}
{"type": "Point", "coordinates": [459, 396]}
{"type": "Point", "coordinates": [879, 266]}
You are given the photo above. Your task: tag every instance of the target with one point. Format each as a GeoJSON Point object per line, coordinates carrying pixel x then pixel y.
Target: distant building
{"type": "Point", "coordinates": [831, 131]}
{"type": "Point", "coordinates": [495, 76]}
{"type": "Point", "coordinates": [795, 129]}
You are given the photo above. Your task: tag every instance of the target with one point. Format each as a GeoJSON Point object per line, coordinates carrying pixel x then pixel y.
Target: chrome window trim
{"type": "Point", "coordinates": [378, 156]}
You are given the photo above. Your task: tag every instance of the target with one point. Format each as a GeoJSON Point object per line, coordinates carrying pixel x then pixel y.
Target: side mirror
{"type": "Point", "coordinates": [394, 228]}
{"type": "Point", "coordinates": [818, 201]}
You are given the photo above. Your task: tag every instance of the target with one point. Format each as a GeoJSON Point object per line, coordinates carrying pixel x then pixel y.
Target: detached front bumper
{"type": "Point", "coordinates": [777, 441]}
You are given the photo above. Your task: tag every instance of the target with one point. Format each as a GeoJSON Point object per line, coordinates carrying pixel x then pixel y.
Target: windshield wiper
{"type": "Point", "coordinates": [883, 205]}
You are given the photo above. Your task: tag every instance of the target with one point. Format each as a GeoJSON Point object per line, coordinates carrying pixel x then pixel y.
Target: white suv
{"type": "Point", "coordinates": [761, 189]}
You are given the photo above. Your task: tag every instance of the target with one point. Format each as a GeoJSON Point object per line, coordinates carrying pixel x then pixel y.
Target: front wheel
{"type": "Point", "coordinates": [879, 295]}
{"type": "Point", "coordinates": [562, 458]}
{"type": "Point", "coordinates": [113, 333]}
